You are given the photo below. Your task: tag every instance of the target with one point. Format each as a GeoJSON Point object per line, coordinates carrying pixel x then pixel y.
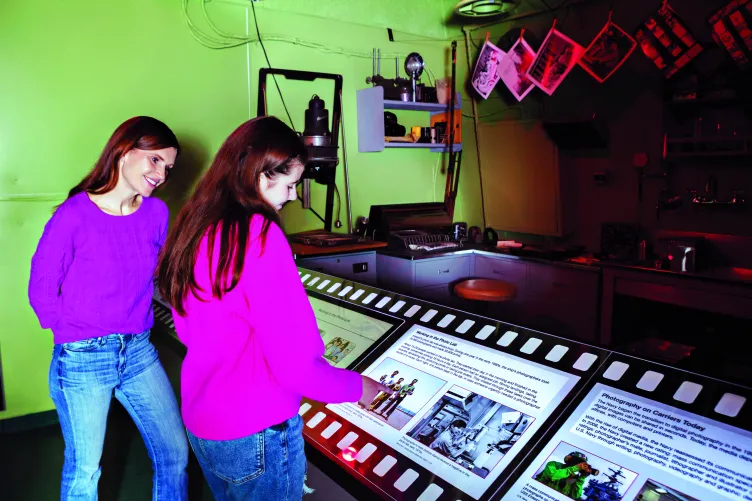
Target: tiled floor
{"type": "Point", "coordinates": [31, 463]}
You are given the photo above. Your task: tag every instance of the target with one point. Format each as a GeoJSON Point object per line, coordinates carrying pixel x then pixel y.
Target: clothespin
{"type": "Point", "coordinates": [522, 33]}
{"type": "Point", "coordinates": [610, 13]}
{"type": "Point", "coordinates": [487, 36]}
{"type": "Point", "coordinates": [553, 25]}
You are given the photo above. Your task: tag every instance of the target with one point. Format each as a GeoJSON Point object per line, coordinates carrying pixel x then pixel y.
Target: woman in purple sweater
{"type": "Point", "coordinates": [240, 309]}
{"type": "Point", "coordinates": [92, 284]}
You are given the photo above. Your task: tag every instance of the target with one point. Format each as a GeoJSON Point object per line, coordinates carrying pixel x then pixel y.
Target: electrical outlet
{"type": "Point", "coordinates": [600, 178]}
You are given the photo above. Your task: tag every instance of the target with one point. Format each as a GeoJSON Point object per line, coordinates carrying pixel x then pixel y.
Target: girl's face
{"type": "Point", "coordinates": [280, 190]}
{"type": "Point", "coordinates": [141, 171]}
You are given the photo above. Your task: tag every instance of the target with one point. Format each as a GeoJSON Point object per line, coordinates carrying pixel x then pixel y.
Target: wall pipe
{"type": "Point", "coordinates": [475, 128]}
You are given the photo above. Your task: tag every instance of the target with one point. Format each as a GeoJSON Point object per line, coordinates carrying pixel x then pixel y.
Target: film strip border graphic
{"type": "Point", "coordinates": [732, 29]}
{"type": "Point", "coordinates": [665, 39]}
{"type": "Point", "coordinates": [707, 397]}
{"type": "Point", "coordinates": [716, 400]}
{"type": "Point", "coordinates": [721, 401]}
{"type": "Point", "coordinates": [536, 346]}
{"type": "Point", "coordinates": [559, 353]}
{"type": "Point", "coordinates": [388, 472]}
{"type": "Point", "coordinates": [397, 477]}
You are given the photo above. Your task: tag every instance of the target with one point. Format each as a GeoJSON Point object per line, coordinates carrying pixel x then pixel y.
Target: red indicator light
{"type": "Point", "coordinates": [349, 454]}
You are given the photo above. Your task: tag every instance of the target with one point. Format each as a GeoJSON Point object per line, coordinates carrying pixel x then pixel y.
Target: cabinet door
{"type": "Point", "coordinates": [395, 273]}
{"type": "Point", "coordinates": [429, 272]}
{"type": "Point", "coordinates": [357, 267]}
{"type": "Point", "coordinates": [563, 301]}
{"type": "Point", "coordinates": [320, 265]}
{"type": "Point", "coordinates": [444, 295]}
{"type": "Point", "coordinates": [508, 270]}
{"type": "Point", "coordinates": [520, 169]}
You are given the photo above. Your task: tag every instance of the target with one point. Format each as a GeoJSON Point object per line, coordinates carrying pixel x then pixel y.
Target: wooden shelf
{"type": "Point", "coordinates": [371, 106]}
{"type": "Point", "coordinates": [708, 154]}
{"type": "Point", "coordinates": [409, 105]}
{"type": "Point", "coordinates": [437, 148]}
{"type": "Point", "coordinates": [709, 101]}
{"type": "Point", "coordinates": [708, 147]}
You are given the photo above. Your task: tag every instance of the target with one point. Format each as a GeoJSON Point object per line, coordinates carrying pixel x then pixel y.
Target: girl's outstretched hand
{"type": "Point", "coordinates": [371, 388]}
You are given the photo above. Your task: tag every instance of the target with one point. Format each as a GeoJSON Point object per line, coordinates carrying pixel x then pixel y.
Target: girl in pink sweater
{"type": "Point", "coordinates": [253, 346]}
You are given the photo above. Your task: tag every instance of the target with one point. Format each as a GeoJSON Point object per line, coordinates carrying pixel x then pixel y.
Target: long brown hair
{"type": "Point", "coordinates": [144, 133]}
{"type": "Point", "coordinates": [225, 200]}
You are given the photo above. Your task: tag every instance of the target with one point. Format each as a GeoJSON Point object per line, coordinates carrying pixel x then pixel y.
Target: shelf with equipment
{"type": "Point", "coordinates": [703, 147]}
{"type": "Point", "coordinates": [371, 106]}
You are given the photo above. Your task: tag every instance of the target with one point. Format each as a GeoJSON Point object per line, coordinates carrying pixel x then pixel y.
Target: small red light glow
{"type": "Point", "coordinates": [670, 257]}
{"type": "Point", "coordinates": [349, 454]}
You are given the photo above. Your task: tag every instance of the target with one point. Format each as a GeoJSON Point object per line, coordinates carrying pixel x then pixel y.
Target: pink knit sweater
{"type": "Point", "coordinates": [254, 353]}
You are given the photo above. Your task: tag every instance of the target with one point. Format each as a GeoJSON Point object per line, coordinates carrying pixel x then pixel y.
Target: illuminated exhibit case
{"type": "Point", "coordinates": [479, 409]}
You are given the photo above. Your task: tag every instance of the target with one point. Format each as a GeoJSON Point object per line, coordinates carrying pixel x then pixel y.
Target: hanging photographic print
{"type": "Point", "coordinates": [485, 75]}
{"type": "Point", "coordinates": [732, 29]}
{"type": "Point", "coordinates": [665, 39]}
{"type": "Point", "coordinates": [556, 58]}
{"type": "Point", "coordinates": [513, 69]}
{"type": "Point", "coordinates": [607, 52]}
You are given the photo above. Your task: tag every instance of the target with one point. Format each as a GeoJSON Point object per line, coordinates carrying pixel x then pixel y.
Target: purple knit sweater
{"type": "Point", "coordinates": [92, 273]}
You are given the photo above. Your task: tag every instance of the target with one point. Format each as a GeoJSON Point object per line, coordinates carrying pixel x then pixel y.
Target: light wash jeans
{"type": "Point", "coordinates": [83, 376]}
{"type": "Point", "coordinates": [268, 466]}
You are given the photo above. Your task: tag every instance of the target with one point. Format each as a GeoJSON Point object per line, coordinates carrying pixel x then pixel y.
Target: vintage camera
{"type": "Point", "coordinates": [590, 470]}
{"type": "Point", "coordinates": [576, 458]}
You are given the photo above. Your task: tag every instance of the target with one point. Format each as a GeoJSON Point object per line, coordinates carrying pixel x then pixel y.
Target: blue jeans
{"type": "Point", "coordinates": [269, 465]}
{"type": "Point", "coordinates": [83, 376]}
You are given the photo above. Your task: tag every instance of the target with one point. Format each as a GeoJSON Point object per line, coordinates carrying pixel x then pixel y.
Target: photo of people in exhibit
{"type": "Point", "coordinates": [471, 430]}
{"type": "Point", "coordinates": [411, 389]}
{"type": "Point", "coordinates": [337, 349]}
{"type": "Point", "coordinates": [578, 474]}
{"type": "Point", "coordinates": [654, 491]}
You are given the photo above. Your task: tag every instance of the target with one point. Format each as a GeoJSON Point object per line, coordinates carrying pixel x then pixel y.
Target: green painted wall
{"type": "Point", "coordinates": [424, 17]}
{"type": "Point", "coordinates": [72, 71]}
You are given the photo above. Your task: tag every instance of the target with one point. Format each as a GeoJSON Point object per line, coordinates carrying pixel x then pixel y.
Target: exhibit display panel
{"type": "Point", "coordinates": [482, 410]}
{"type": "Point", "coordinates": [469, 396]}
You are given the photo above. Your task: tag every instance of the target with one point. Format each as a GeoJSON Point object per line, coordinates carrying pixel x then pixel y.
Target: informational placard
{"type": "Point", "coordinates": [620, 446]}
{"type": "Point", "coordinates": [458, 409]}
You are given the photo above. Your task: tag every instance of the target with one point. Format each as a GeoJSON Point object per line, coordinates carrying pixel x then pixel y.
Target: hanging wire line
{"type": "Point", "coordinates": [220, 40]}
{"type": "Point", "coordinates": [268, 64]}
{"type": "Point", "coordinates": [339, 203]}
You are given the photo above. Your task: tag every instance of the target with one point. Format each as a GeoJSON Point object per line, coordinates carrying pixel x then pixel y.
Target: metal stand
{"type": "Point", "coordinates": [322, 160]}
{"type": "Point", "coordinates": [453, 177]}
